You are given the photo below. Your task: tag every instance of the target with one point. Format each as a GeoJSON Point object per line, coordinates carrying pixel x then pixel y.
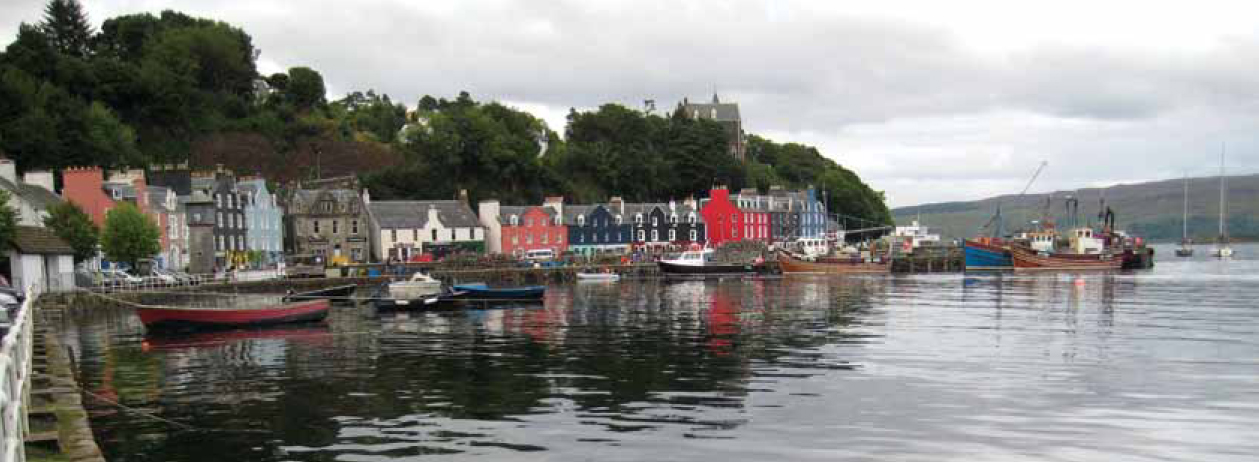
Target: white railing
{"type": "Point", "coordinates": [15, 381]}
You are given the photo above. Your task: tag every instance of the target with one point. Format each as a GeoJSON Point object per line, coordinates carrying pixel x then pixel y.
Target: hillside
{"type": "Point", "coordinates": [1152, 210]}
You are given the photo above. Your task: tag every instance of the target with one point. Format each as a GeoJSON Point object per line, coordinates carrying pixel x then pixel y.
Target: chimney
{"type": "Point", "coordinates": [463, 196]}
{"type": "Point", "coordinates": [690, 202]}
{"type": "Point", "coordinates": [617, 204]}
{"type": "Point", "coordinates": [555, 202]}
{"type": "Point", "coordinates": [367, 197]}
{"type": "Point", "coordinates": [673, 206]}
{"type": "Point", "coordinates": [487, 211]}
{"type": "Point", "coordinates": [8, 170]}
{"type": "Point", "coordinates": [41, 178]}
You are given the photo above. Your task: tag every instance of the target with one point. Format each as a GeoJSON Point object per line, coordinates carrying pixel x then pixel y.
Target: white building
{"type": "Point", "coordinates": [401, 230]}
{"type": "Point", "coordinates": [40, 259]}
{"type": "Point", "coordinates": [31, 196]}
{"type": "Point", "coordinates": [916, 234]}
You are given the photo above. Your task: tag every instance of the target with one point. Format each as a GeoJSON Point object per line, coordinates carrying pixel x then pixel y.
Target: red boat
{"type": "Point", "coordinates": [1026, 259]}
{"type": "Point", "coordinates": [155, 317]}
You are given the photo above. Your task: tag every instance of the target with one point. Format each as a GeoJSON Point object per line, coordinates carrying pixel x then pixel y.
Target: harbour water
{"type": "Point", "coordinates": [1153, 365]}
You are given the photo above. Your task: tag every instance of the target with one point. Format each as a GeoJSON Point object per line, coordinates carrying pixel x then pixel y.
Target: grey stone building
{"type": "Point", "coordinates": [329, 225]}
{"type": "Point", "coordinates": [726, 114]}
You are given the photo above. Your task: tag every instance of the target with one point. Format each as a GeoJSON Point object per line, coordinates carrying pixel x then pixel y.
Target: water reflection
{"type": "Point", "coordinates": [928, 367]}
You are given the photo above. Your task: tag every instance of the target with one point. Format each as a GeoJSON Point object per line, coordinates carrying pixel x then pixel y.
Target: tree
{"type": "Point", "coordinates": [8, 222]}
{"type": "Point", "coordinates": [305, 87]}
{"type": "Point", "coordinates": [67, 27]}
{"type": "Point", "coordinates": [129, 235]}
{"type": "Point", "coordinates": [74, 226]}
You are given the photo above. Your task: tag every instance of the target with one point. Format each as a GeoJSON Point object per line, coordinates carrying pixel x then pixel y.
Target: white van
{"type": "Point", "coordinates": [540, 255]}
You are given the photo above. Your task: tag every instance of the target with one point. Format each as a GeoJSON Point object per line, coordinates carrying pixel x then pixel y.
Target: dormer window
{"type": "Point", "coordinates": [515, 221]}
{"type": "Point", "coordinates": [673, 219]}
{"type": "Point", "coordinates": [638, 219]}
{"type": "Point", "coordinates": [690, 217]}
{"type": "Point", "coordinates": [581, 220]}
{"type": "Point", "coordinates": [619, 220]}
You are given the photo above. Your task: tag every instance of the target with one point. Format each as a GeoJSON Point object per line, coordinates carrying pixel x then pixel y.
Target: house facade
{"type": "Point", "coordinates": [200, 212]}
{"type": "Point", "coordinates": [666, 226]}
{"type": "Point", "coordinates": [329, 224]}
{"type": "Point", "coordinates": [264, 221]}
{"type": "Point", "coordinates": [84, 186]}
{"type": "Point", "coordinates": [229, 220]}
{"type": "Point", "coordinates": [756, 214]}
{"type": "Point", "coordinates": [404, 230]}
{"type": "Point", "coordinates": [723, 221]}
{"type": "Point", "coordinates": [595, 229]}
{"type": "Point", "coordinates": [525, 228]}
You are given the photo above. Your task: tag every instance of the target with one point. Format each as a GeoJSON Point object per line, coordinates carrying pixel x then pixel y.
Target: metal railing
{"type": "Point", "coordinates": [15, 380]}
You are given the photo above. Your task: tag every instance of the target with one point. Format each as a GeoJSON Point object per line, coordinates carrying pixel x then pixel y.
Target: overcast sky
{"type": "Point", "coordinates": [927, 100]}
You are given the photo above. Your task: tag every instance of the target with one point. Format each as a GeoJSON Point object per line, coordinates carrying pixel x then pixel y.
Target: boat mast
{"type": "Point", "coordinates": [1184, 220]}
{"type": "Point", "coordinates": [1223, 204]}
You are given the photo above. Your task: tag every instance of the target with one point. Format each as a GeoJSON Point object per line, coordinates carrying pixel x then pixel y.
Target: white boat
{"type": "Point", "coordinates": [598, 277]}
{"type": "Point", "coordinates": [1222, 249]}
{"type": "Point", "coordinates": [420, 285]}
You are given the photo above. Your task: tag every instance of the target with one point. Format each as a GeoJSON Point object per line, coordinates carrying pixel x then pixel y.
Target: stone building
{"type": "Point", "coordinates": [330, 224]}
{"type": "Point", "coordinates": [726, 114]}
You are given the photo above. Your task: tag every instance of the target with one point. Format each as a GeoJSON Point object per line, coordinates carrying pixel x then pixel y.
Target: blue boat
{"type": "Point", "coordinates": [987, 256]}
{"type": "Point", "coordinates": [480, 291]}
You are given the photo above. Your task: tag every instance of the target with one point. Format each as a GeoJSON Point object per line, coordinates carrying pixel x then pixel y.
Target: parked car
{"type": "Point", "coordinates": [174, 277]}
{"type": "Point", "coordinates": [121, 276]}
{"type": "Point", "coordinates": [161, 277]}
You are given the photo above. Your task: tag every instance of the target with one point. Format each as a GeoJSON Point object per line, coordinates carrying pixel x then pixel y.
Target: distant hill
{"type": "Point", "coordinates": [1151, 210]}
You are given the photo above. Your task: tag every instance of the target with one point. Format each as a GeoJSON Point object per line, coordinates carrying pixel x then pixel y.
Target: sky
{"type": "Point", "coordinates": [928, 101]}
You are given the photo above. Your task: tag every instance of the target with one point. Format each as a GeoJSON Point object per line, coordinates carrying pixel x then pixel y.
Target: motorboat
{"type": "Point", "coordinates": [419, 285]}
{"type": "Point", "coordinates": [699, 263]}
{"type": "Point", "coordinates": [598, 277]}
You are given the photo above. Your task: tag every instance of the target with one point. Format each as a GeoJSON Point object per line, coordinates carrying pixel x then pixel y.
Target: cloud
{"type": "Point", "coordinates": [963, 100]}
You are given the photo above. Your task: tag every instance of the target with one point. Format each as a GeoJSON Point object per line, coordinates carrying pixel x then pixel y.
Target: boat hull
{"type": "Point", "coordinates": [1028, 260]}
{"type": "Point", "coordinates": [595, 277]}
{"type": "Point", "coordinates": [338, 292]}
{"type": "Point", "coordinates": [987, 257]}
{"type": "Point", "coordinates": [483, 292]}
{"type": "Point", "coordinates": [676, 270]}
{"type": "Point", "coordinates": [185, 318]}
{"type": "Point", "coordinates": [790, 264]}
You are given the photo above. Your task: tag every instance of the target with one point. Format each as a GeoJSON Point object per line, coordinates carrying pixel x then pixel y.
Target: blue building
{"type": "Point", "coordinates": [263, 220]}
{"type": "Point", "coordinates": [597, 229]}
{"type": "Point", "coordinates": [813, 217]}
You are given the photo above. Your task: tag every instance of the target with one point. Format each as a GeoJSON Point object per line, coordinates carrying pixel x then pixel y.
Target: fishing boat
{"type": "Point", "coordinates": [430, 301]}
{"type": "Point", "coordinates": [830, 265]}
{"type": "Point", "coordinates": [336, 293]}
{"type": "Point", "coordinates": [1086, 252]}
{"type": "Point", "coordinates": [1222, 248]}
{"type": "Point", "coordinates": [418, 286]}
{"type": "Point", "coordinates": [1186, 244]}
{"type": "Point", "coordinates": [987, 254]}
{"type": "Point", "coordinates": [699, 263]}
{"type": "Point", "coordinates": [176, 317]}
{"type": "Point", "coordinates": [481, 291]}
{"type": "Point", "coordinates": [598, 277]}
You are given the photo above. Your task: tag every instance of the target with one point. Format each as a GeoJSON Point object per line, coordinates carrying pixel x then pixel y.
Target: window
{"type": "Point", "coordinates": [515, 220]}
{"type": "Point", "coordinates": [327, 206]}
{"type": "Point", "coordinates": [619, 220]}
{"type": "Point", "coordinates": [515, 240]}
{"type": "Point", "coordinates": [393, 235]}
{"type": "Point", "coordinates": [638, 219]}
{"type": "Point", "coordinates": [356, 254]}
{"type": "Point", "coordinates": [546, 238]}
{"type": "Point", "coordinates": [240, 219]}
{"type": "Point", "coordinates": [655, 235]}
{"type": "Point", "coordinates": [452, 235]}
{"type": "Point", "coordinates": [694, 237]}
{"type": "Point", "coordinates": [218, 220]}
{"type": "Point", "coordinates": [673, 235]}
{"type": "Point", "coordinates": [528, 239]}
{"type": "Point", "coordinates": [581, 238]}
{"type": "Point", "coordinates": [673, 219]}
{"type": "Point", "coordinates": [734, 232]}
{"type": "Point", "coordinates": [642, 235]}
{"type": "Point", "coordinates": [434, 235]}
{"type": "Point", "coordinates": [219, 243]}
{"type": "Point", "coordinates": [218, 200]}
{"type": "Point", "coordinates": [354, 226]}
{"type": "Point", "coordinates": [316, 226]}
{"type": "Point", "coordinates": [528, 222]}
{"type": "Point", "coordinates": [581, 220]}
{"type": "Point", "coordinates": [415, 235]}
{"type": "Point", "coordinates": [334, 226]}
{"type": "Point", "coordinates": [655, 221]}
{"type": "Point", "coordinates": [690, 218]}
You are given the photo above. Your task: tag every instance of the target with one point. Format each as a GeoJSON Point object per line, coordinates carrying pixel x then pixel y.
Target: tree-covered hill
{"type": "Point", "coordinates": [1152, 210]}
{"type": "Point", "coordinates": [170, 88]}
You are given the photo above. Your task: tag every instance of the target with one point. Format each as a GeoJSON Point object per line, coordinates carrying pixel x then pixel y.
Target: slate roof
{"type": "Point", "coordinates": [37, 196]}
{"type": "Point", "coordinates": [36, 240]}
{"type": "Point", "coordinates": [507, 211]}
{"type": "Point", "coordinates": [726, 112]}
{"type": "Point", "coordinates": [414, 214]}
{"type": "Point", "coordinates": [572, 211]}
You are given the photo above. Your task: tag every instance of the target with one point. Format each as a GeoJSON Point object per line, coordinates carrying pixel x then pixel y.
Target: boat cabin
{"type": "Point", "coordinates": [693, 258]}
{"type": "Point", "coordinates": [1084, 242]}
{"type": "Point", "coordinates": [1041, 242]}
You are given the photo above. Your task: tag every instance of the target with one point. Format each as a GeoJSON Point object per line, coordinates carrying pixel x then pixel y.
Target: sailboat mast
{"type": "Point", "coordinates": [1184, 220]}
{"type": "Point", "coordinates": [1223, 204]}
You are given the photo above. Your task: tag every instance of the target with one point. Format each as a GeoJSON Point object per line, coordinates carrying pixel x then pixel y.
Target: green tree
{"type": "Point", "coordinates": [74, 226]}
{"type": "Point", "coordinates": [8, 222]}
{"type": "Point", "coordinates": [67, 27]}
{"type": "Point", "coordinates": [305, 87]}
{"type": "Point", "coordinates": [129, 235]}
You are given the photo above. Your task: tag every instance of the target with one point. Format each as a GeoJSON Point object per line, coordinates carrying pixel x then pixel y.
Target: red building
{"type": "Point", "coordinates": [756, 215]}
{"type": "Point", "coordinates": [84, 186]}
{"type": "Point", "coordinates": [723, 221]}
{"type": "Point", "coordinates": [532, 228]}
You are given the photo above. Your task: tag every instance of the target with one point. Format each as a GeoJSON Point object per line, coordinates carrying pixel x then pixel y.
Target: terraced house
{"type": "Point", "coordinates": [597, 229]}
{"type": "Point", "coordinates": [515, 230]}
{"type": "Point", "coordinates": [404, 230]}
{"type": "Point", "coordinates": [329, 224]}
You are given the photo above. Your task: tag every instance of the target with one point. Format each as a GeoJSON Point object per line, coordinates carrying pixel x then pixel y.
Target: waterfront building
{"type": "Point", "coordinates": [39, 259]}
{"type": "Point", "coordinates": [666, 226]}
{"type": "Point", "coordinates": [230, 229]}
{"type": "Point", "coordinates": [30, 196]}
{"type": "Point", "coordinates": [200, 212]}
{"type": "Point", "coordinates": [914, 236]}
{"type": "Point", "coordinates": [329, 223]}
{"type": "Point", "coordinates": [519, 229]}
{"type": "Point", "coordinates": [597, 229]}
{"type": "Point", "coordinates": [795, 214]}
{"type": "Point", "coordinates": [165, 209]}
{"type": "Point", "coordinates": [264, 224]}
{"type": "Point", "coordinates": [723, 221]}
{"type": "Point", "coordinates": [403, 230]}
{"type": "Point", "coordinates": [726, 114]}
{"type": "Point", "coordinates": [84, 186]}
{"type": "Point", "coordinates": [756, 215]}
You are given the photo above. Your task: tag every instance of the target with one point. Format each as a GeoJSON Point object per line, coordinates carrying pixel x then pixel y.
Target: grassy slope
{"type": "Point", "coordinates": [1150, 209]}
